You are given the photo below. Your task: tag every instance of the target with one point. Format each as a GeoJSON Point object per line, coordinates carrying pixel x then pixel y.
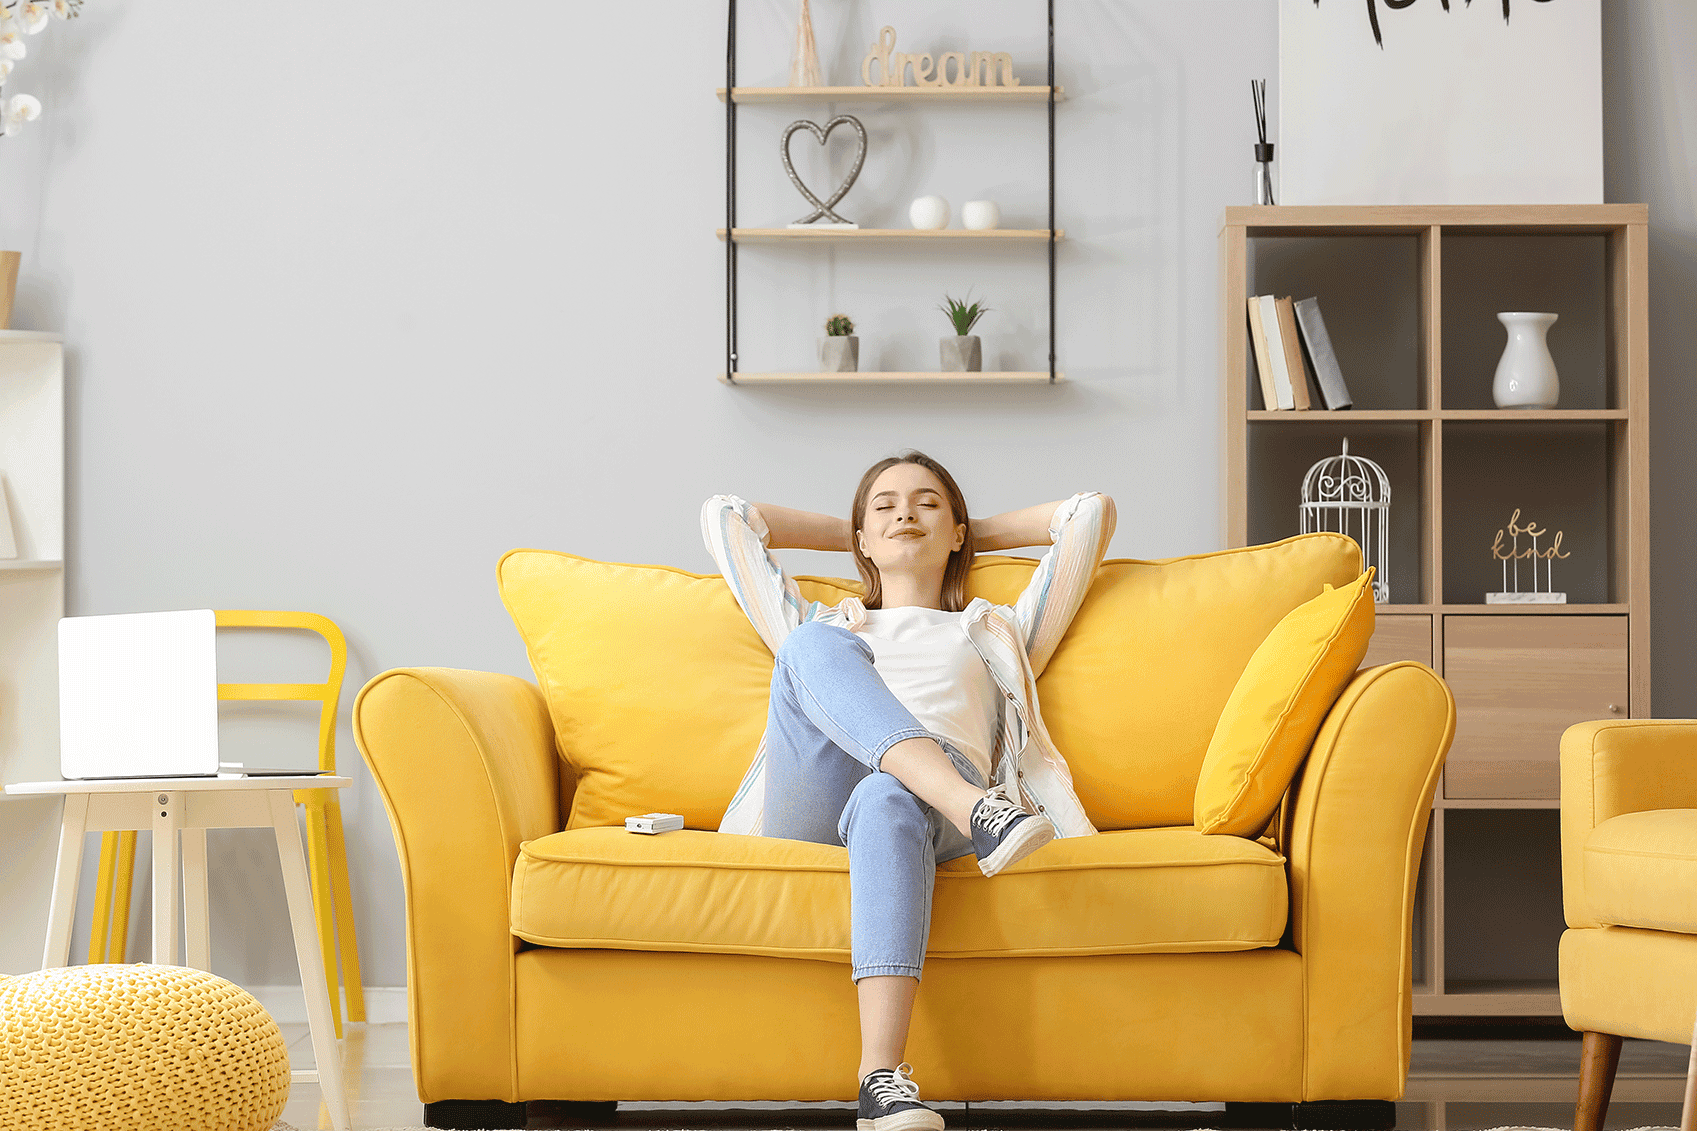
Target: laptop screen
{"type": "Point", "coordinates": [138, 695]}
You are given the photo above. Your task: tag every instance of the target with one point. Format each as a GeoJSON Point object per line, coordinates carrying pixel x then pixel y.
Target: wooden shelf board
{"type": "Point", "coordinates": [1482, 609]}
{"type": "Point", "coordinates": [1340, 416]}
{"type": "Point", "coordinates": [1443, 802]}
{"type": "Point", "coordinates": [30, 564]}
{"type": "Point", "coordinates": [868, 235]}
{"type": "Point", "coordinates": [1375, 219]}
{"type": "Point", "coordinates": [1507, 414]}
{"type": "Point", "coordinates": [1493, 415]}
{"type": "Point", "coordinates": [1491, 999]}
{"type": "Point", "coordinates": [747, 95]}
{"type": "Point", "coordinates": [931, 378]}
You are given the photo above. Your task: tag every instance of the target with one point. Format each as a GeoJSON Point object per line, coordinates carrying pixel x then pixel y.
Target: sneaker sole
{"type": "Point", "coordinates": [913, 1119]}
{"type": "Point", "coordinates": [1027, 838]}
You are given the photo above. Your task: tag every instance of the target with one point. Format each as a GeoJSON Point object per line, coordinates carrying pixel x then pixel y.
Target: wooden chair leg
{"type": "Point", "coordinates": [1598, 1060]}
{"type": "Point", "coordinates": [103, 898]}
{"type": "Point", "coordinates": [118, 943]}
{"type": "Point", "coordinates": [353, 985]}
{"type": "Point", "coordinates": [318, 868]}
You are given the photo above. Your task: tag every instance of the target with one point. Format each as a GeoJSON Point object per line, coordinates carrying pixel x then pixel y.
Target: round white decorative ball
{"type": "Point", "coordinates": [980, 215]}
{"type": "Point", "coordinates": [929, 212]}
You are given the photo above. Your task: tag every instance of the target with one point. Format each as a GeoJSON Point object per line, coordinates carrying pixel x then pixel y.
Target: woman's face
{"type": "Point", "coordinates": [908, 526]}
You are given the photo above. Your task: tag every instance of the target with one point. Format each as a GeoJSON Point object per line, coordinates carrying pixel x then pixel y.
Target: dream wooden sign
{"type": "Point", "coordinates": [970, 69]}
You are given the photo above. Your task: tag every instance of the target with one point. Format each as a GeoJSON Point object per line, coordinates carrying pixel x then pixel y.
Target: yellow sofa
{"type": "Point", "coordinates": [1629, 889]}
{"type": "Point", "coordinates": [552, 957]}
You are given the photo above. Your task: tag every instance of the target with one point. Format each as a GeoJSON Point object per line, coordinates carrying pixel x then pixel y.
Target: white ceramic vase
{"type": "Point", "coordinates": [1526, 373]}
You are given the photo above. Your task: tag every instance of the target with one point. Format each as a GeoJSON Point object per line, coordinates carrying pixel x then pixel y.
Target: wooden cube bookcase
{"type": "Point", "coordinates": [1410, 296]}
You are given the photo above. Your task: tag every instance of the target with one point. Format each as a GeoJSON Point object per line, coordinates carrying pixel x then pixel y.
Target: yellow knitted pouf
{"type": "Point", "coordinates": [139, 1047]}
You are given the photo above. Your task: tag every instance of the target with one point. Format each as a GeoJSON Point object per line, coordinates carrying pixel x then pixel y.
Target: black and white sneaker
{"type": "Point", "coordinates": [1003, 832]}
{"type": "Point", "coordinates": [889, 1101]}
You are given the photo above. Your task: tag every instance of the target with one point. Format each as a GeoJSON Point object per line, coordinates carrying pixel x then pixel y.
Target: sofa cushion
{"type": "Point", "coordinates": [656, 683]}
{"type": "Point", "coordinates": [1276, 708]}
{"type": "Point", "coordinates": [1148, 890]}
{"type": "Point", "coordinates": [1137, 685]}
{"type": "Point", "coordinates": [1641, 870]}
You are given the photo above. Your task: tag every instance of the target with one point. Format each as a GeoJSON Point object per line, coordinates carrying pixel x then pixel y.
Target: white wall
{"type": "Point", "coordinates": [357, 300]}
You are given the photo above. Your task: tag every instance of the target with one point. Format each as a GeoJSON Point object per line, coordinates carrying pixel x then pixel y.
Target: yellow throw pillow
{"type": "Point", "coordinates": [1277, 706]}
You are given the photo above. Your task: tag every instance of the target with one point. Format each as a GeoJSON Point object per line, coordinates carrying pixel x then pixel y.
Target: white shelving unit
{"type": "Point", "coordinates": [32, 599]}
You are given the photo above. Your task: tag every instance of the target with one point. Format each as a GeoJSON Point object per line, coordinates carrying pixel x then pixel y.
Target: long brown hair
{"type": "Point", "coordinates": [960, 561]}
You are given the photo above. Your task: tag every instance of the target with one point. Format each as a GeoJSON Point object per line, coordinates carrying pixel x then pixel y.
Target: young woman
{"type": "Point", "coordinates": [904, 725]}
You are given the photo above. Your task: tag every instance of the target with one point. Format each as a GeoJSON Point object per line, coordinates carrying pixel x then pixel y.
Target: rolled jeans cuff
{"type": "Point", "coordinates": [886, 971]}
{"type": "Point", "coordinates": [877, 760]}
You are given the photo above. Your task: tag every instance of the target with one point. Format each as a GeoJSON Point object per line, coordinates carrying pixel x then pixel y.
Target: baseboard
{"type": "Point", "coordinates": [287, 1005]}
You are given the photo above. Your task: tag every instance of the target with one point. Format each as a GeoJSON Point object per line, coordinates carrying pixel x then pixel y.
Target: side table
{"type": "Point", "coordinates": [186, 808]}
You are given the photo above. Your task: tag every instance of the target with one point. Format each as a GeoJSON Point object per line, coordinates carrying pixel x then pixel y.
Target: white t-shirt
{"type": "Point", "coordinates": [925, 659]}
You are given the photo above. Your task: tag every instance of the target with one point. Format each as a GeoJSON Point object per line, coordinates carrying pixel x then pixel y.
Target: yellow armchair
{"type": "Point", "coordinates": [1629, 889]}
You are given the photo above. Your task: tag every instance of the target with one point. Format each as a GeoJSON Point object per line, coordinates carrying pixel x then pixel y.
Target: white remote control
{"type": "Point", "coordinates": [652, 823]}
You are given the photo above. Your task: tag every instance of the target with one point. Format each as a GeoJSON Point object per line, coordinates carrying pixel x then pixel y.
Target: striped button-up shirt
{"type": "Point", "coordinates": [1015, 642]}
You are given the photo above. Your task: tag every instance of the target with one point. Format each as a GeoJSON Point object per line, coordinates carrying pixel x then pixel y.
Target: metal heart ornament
{"type": "Point", "coordinates": [822, 209]}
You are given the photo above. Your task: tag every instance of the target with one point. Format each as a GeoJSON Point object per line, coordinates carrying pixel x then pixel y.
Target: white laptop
{"type": "Point", "coordinates": [138, 695]}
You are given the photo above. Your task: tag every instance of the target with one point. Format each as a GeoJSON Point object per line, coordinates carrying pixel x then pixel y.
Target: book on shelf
{"type": "Point", "coordinates": [1333, 392]}
{"type": "Point", "coordinates": [1276, 362]}
{"type": "Point", "coordinates": [1263, 364]}
{"type": "Point", "coordinates": [1293, 355]}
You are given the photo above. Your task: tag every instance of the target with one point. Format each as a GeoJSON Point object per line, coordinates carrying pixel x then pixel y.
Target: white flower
{"type": "Point", "coordinates": [12, 44]}
{"type": "Point", "coordinates": [20, 108]}
{"type": "Point", "coordinates": [35, 16]}
{"type": "Point", "coordinates": [5, 69]}
{"type": "Point", "coordinates": [62, 9]}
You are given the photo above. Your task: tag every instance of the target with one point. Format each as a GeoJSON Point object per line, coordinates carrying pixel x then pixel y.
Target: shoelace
{"type": "Point", "coordinates": [894, 1088]}
{"type": "Point", "coordinates": [996, 813]}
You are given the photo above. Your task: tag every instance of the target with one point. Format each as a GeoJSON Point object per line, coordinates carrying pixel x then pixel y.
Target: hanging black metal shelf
{"type": "Point", "coordinates": [732, 96]}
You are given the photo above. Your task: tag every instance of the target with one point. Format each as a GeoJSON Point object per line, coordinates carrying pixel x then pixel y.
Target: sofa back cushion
{"type": "Point", "coordinates": [1136, 687]}
{"type": "Point", "coordinates": [657, 683]}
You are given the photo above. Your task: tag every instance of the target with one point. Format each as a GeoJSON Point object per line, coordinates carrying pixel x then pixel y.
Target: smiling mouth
{"type": "Point", "coordinates": [908, 534]}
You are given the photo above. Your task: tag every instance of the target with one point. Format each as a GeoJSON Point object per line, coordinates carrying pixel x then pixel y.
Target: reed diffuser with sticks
{"type": "Point", "coordinates": [1263, 147]}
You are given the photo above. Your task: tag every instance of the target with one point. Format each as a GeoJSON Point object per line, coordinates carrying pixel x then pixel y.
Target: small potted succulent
{"type": "Point", "coordinates": [962, 353]}
{"type": "Point", "coordinates": [839, 349]}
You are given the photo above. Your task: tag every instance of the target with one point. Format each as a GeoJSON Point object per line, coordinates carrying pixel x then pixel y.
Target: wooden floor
{"type": "Point", "coordinates": [1454, 1085]}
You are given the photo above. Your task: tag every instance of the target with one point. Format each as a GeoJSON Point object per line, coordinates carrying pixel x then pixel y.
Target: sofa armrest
{"type": "Point", "coordinates": [1617, 766]}
{"type": "Point", "coordinates": [466, 765]}
{"type": "Point", "coordinates": [1356, 826]}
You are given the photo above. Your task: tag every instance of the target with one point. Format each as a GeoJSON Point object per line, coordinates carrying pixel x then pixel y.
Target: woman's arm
{"type": "Point", "coordinates": [790, 529]}
{"type": "Point", "coordinates": [736, 535]}
{"type": "Point", "coordinates": [1009, 531]}
{"type": "Point", "coordinates": [1080, 531]}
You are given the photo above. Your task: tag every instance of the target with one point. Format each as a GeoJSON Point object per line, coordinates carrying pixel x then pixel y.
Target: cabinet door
{"type": "Point", "coordinates": [1519, 681]}
{"type": "Point", "coordinates": [1400, 638]}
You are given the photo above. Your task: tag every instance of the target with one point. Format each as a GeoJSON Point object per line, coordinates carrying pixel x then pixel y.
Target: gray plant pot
{"type": "Point", "coordinates": [839, 355]}
{"type": "Point", "coordinates": [961, 354]}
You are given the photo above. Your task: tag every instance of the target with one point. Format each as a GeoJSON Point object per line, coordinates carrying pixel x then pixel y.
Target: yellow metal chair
{"type": "Point", "coordinates": [327, 856]}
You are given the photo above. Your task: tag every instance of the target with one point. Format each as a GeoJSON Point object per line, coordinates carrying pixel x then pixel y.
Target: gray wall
{"type": "Point", "coordinates": [357, 302]}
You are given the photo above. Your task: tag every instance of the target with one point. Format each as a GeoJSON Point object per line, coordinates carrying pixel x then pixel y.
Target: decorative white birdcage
{"type": "Point", "coordinates": [1351, 495]}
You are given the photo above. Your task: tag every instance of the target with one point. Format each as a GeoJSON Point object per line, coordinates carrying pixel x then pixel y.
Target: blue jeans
{"type": "Point", "coordinates": [830, 721]}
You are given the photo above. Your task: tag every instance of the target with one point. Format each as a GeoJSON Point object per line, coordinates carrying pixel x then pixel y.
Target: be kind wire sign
{"type": "Point", "coordinates": [1440, 102]}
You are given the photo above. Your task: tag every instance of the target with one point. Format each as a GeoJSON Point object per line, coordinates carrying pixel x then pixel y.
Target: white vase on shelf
{"type": "Point", "coordinates": [1526, 373]}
